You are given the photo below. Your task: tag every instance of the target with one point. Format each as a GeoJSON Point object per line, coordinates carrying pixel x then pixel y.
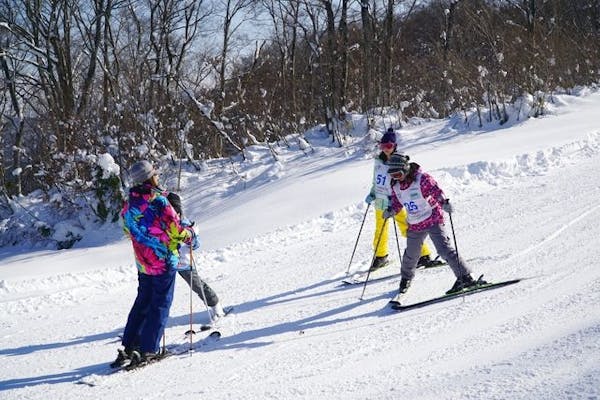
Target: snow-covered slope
{"type": "Point", "coordinates": [276, 240]}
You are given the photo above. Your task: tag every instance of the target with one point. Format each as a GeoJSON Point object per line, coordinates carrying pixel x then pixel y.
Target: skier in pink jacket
{"type": "Point", "coordinates": [419, 194]}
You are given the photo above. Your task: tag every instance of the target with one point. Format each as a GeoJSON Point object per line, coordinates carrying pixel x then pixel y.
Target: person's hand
{"type": "Point", "coordinates": [389, 213]}
{"type": "Point", "coordinates": [195, 242]}
{"type": "Point", "coordinates": [446, 206]}
{"type": "Point", "coordinates": [370, 198]}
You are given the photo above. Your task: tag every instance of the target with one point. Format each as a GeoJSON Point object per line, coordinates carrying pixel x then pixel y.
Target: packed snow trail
{"type": "Point", "coordinates": [295, 325]}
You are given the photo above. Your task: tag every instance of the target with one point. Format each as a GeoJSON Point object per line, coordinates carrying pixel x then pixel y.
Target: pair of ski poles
{"type": "Point", "coordinates": [191, 332]}
{"type": "Point", "coordinates": [377, 246]}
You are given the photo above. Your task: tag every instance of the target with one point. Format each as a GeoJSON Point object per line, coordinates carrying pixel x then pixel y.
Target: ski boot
{"type": "Point", "coordinates": [379, 263]}
{"type": "Point", "coordinates": [404, 285]}
{"type": "Point", "coordinates": [123, 358]}
{"type": "Point", "coordinates": [142, 359]}
{"type": "Point", "coordinates": [427, 262]}
{"type": "Point", "coordinates": [465, 282]}
{"type": "Point", "coordinates": [217, 311]}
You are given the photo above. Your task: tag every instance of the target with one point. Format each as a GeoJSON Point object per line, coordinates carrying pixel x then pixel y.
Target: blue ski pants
{"type": "Point", "coordinates": [150, 311]}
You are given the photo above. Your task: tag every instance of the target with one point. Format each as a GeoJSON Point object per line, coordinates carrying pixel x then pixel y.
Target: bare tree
{"type": "Point", "coordinates": [80, 77]}
{"type": "Point", "coordinates": [16, 117]}
{"type": "Point", "coordinates": [285, 21]}
{"type": "Point", "coordinates": [233, 17]}
{"type": "Point", "coordinates": [344, 46]}
{"type": "Point", "coordinates": [368, 40]}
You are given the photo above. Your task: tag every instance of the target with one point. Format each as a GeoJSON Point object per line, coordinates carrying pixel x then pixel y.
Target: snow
{"type": "Point", "coordinates": [108, 166]}
{"type": "Point", "coordinates": [276, 240]}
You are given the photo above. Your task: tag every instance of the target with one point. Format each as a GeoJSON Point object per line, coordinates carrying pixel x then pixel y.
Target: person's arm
{"type": "Point", "coordinates": [176, 232]}
{"type": "Point", "coordinates": [429, 187]}
{"type": "Point", "coordinates": [372, 195]}
{"type": "Point", "coordinates": [395, 204]}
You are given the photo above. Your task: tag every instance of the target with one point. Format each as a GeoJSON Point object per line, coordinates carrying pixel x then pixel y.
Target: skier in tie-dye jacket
{"type": "Point", "coordinates": [156, 233]}
{"type": "Point", "coordinates": [154, 229]}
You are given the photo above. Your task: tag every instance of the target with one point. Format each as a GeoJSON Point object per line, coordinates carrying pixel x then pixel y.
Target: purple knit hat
{"type": "Point", "coordinates": [389, 137]}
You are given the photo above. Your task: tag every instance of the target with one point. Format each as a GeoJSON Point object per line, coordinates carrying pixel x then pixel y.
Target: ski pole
{"type": "Point", "coordinates": [397, 242]}
{"type": "Point", "coordinates": [204, 327]}
{"type": "Point", "coordinates": [191, 331]}
{"type": "Point", "coordinates": [201, 284]}
{"type": "Point", "coordinates": [373, 260]}
{"type": "Point", "coordinates": [358, 237]}
{"type": "Point", "coordinates": [453, 235]}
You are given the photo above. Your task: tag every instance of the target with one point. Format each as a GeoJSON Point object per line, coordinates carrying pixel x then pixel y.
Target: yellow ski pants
{"type": "Point", "coordinates": [382, 249]}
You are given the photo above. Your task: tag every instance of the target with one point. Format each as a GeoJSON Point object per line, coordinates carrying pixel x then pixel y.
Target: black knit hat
{"type": "Point", "coordinates": [398, 163]}
{"type": "Point", "coordinates": [175, 201]}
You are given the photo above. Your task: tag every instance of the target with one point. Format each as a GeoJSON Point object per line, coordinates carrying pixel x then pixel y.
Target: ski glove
{"type": "Point", "coordinates": [195, 243]}
{"type": "Point", "coordinates": [389, 213]}
{"type": "Point", "coordinates": [446, 206]}
{"type": "Point", "coordinates": [370, 198]}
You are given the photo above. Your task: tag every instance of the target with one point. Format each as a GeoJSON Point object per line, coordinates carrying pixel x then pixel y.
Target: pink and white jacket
{"type": "Point", "coordinates": [429, 190]}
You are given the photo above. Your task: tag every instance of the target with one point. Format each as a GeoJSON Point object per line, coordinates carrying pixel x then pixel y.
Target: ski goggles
{"type": "Point", "coordinates": [387, 146]}
{"type": "Point", "coordinates": [398, 175]}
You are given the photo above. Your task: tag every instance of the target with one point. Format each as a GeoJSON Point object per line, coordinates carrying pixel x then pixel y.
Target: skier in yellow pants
{"type": "Point", "coordinates": [380, 195]}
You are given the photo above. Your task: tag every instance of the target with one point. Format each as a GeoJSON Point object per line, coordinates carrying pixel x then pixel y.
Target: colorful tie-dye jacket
{"type": "Point", "coordinates": [154, 229]}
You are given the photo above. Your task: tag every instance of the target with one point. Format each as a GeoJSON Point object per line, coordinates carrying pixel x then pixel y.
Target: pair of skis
{"type": "Point", "coordinates": [397, 302]}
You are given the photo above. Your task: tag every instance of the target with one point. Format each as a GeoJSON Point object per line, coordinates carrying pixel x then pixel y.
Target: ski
{"type": "Point", "coordinates": [396, 302]}
{"type": "Point", "coordinates": [142, 364]}
{"type": "Point", "coordinates": [101, 376]}
{"type": "Point", "coordinates": [214, 323]}
{"type": "Point", "coordinates": [360, 277]}
{"type": "Point", "coordinates": [97, 378]}
{"type": "Point", "coordinates": [213, 337]}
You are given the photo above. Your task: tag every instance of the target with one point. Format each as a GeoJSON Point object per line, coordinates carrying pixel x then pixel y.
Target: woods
{"type": "Point", "coordinates": [194, 80]}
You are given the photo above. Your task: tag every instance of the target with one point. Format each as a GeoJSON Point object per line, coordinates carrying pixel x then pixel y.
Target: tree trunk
{"type": "Point", "coordinates": [330, 87]}
{"type": "Point", "coordinates": [343, 28]}
{"type": "Point", "coordinates": [15, 187]}
{"type": "Point", "coordinates": [94, 43]}
{"type": "Point", "coordinates": [388, 52]}
{"type": "Point", "coordinates": [367, 64]}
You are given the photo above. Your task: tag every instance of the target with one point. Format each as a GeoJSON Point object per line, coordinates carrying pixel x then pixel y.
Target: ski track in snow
{"type": "Point", "coordinates": [298, 334]}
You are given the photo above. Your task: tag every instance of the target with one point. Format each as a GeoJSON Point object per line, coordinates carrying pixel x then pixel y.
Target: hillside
{"type": "Point", "coordinates": [275, 245]}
